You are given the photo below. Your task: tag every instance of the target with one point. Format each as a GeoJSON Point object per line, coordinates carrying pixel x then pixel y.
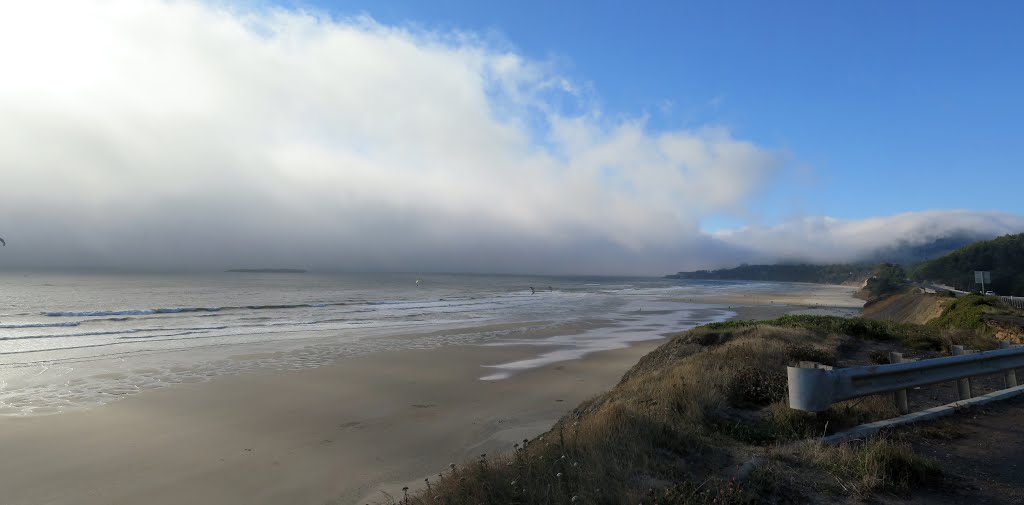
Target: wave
{"type": "Point", "coordinates": [122, 315]}
{"type": "Point", "coordinates": [135, 312]}
{"type": "Point", "coordinates": [63, 335]}
{"type": "Point", "coordinates": [284, 306]}
{"type": "Point", "coordinates": [40, 325]}
{"type": "Point", "coordinates": [117, 332]}
{"type": "Point", "coordinates": [180, 332]}
{"type": "Point", "coordinates": [178, 310]}
{"type": "Point", "coordinates": [98, 313]}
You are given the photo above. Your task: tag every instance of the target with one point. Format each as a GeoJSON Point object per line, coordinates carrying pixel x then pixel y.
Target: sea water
{"type": "Point", "coordinates": [70, 341]}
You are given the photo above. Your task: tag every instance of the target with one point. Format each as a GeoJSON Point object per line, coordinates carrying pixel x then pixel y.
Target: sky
{"type": "Point", "coordinates": [527, 137]}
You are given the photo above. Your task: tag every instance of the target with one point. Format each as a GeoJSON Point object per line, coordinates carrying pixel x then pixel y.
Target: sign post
{"type": "Point", "coordinates": [982, 277]}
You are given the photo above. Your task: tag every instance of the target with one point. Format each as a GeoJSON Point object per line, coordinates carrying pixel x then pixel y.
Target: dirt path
{"type": "Point", "coordinates": [982, 452]}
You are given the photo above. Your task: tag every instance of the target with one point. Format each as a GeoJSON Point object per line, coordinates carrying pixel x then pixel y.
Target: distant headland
{"type": "Point", "coordinates": [267, 270]}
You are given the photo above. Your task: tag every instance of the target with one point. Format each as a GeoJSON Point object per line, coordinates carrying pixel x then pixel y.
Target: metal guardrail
{"type": "Point", "coordinates": [1013, 301]}
{"type": "Point", "coordinates": [814, 387]}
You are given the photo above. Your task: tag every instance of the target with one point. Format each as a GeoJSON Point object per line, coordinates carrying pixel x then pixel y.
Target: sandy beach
{"type": "Point", "coordinates": [814, 299]}
{"type": "Point", "coordinates": [343, 433]}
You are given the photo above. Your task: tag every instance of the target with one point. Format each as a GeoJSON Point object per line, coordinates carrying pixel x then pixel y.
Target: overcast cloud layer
{"type": "Point", "coordinates": [824, 239]}
{"type": "Point", "coordinates": [145, 134]}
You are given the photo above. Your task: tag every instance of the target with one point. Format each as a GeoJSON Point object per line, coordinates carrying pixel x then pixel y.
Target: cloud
{"type": "Point", "coordinates": [148, 134]}
{"type": "Point", "coordinates": [825, 239]}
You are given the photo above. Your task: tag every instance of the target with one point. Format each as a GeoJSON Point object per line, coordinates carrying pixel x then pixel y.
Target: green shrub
{"type": "Point", "coordinates": [887, 278]}
{"type": "Point", "coordinates": [806, 352]}
{"type": "Point", "coordinates": [757, 386]}
{"type": "Point", "coordinates": [879, 357]}
{"type": "Point", "coordinates": [968, 312]}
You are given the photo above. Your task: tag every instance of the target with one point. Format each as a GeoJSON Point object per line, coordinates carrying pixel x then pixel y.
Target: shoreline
{"type": "Point", "coordinates": [337, 433]}
{"type": "Point", "coordinates": [331, 434]}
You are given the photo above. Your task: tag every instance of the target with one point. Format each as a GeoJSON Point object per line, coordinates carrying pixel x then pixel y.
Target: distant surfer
{"type": "Point", "coordinates": [550, 288]}
{"type": "Point", "coordinates": [533, 291]}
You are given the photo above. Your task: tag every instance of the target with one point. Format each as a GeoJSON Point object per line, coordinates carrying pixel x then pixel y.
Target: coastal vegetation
{"type": "Point", "coordinates": [970, 312]}
{"type": "Point", "coordinates": [704, 419]}
{"type": "Point", "coordinates": [1003, 256]}
{"type": "Point", "coordinates": [899, 255]}
{"type": "Point", "coordinates": [821, 274]}
{"type": "Point", "coordinates": [985, 318]}
{"type": "Point", "coordinates": [884, 280]}
{"type": "Point", "coordinates": [880, 279]}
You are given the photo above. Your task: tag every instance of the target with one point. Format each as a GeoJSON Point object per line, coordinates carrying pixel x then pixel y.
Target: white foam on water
{"type": "Point", "coordinates": [48, 366]}
{"type": "Point", "coordinates": [633, 325]}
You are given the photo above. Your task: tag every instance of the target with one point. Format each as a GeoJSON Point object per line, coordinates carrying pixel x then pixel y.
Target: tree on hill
{"type": "Point", "coordinates": [825, 274]}
{"type": "Point", "coordinates": [1003, 256]}
{"type": "Point", "coordinates": [885, 279]}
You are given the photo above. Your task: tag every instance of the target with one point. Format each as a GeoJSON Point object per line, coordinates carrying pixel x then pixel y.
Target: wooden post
{"type": "Point", "coordinates": [963, 386]}
{"type": "Point", "coordinates": [901, 395]}
{"type": "Point", "coordinates": [1009, 376]}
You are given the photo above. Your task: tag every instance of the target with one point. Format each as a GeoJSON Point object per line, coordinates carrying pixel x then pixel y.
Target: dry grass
{"type": "Point", "coordinates": [863, 468]}
{"type": "Point", "coordinates": [943, 430]}
{"type": "Point", "coordinates": [789, 424]}
{"type": "Point", "coordinates": [970, 339]}
{"type": "Point", "coordinates": [673, 430]}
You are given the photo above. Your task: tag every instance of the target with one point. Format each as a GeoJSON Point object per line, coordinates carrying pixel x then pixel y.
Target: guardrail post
{"type": "Point", "coordinates": [901, 395]}
{"type": "Point", "coordinates": [810, 387]}
{"type": "Point", "coordinates": [963, 386]}
{"type": "Point", "coordinates": [1009, 376]}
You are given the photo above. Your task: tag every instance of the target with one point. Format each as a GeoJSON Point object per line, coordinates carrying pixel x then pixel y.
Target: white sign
{"type": "Point", "coordinates": [982, 277]}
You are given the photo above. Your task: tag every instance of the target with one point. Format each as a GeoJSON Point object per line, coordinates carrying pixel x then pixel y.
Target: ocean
{"type": "Point", "coordinates": [76, 341]}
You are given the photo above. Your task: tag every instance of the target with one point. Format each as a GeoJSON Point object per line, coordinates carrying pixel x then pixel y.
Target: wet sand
{"type": "Point", "coordinates": [814, 299]}
{"type": "Point", "coordinates": [335, 434]}
{"type": "Point", "coordinates": [332, 434]}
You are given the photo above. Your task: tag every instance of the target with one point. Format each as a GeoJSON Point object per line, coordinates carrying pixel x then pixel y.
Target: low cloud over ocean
{"type": "Point", "coordinates": [180, 135]}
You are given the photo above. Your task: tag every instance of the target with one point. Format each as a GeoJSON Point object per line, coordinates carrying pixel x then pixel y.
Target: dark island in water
{"type": "Point", "coordinates": [267, 270]}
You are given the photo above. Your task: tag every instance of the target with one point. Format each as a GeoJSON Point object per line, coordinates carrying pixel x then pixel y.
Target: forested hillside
{"type": "Point", "coordinates": [1003, 256]}
{"type": "Point", "coordinates": [823, 274]}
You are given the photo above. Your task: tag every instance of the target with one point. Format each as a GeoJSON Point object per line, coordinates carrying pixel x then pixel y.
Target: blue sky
{"type": "Point", "coordinates": [883, 107]}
